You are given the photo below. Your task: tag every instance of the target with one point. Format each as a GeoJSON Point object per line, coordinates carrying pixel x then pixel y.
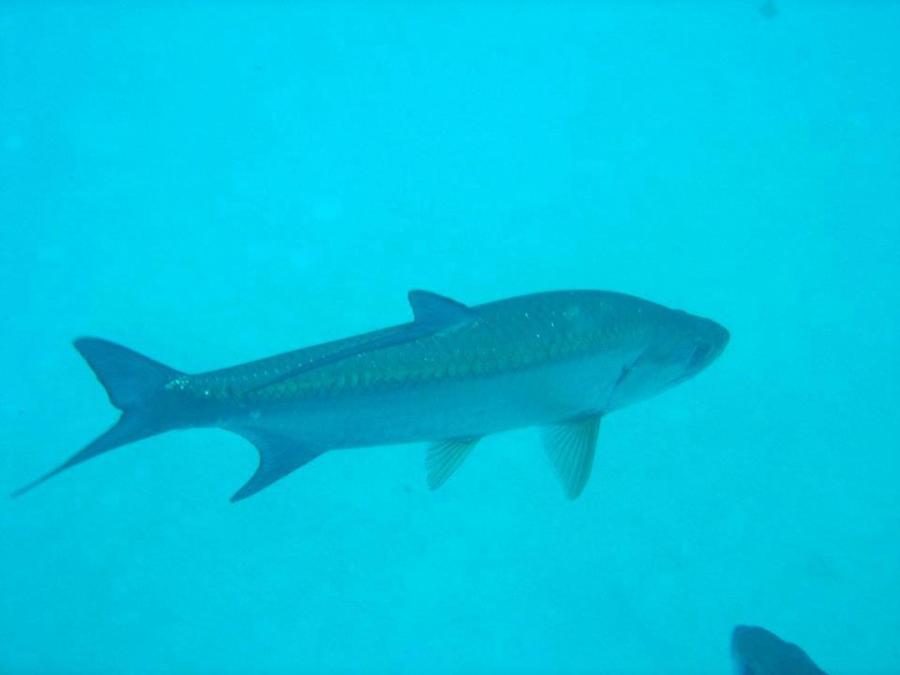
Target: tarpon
{"type": "Point", "coordinates": [757, 651]}
{"type": "Point", "coordinates": [559, 360]}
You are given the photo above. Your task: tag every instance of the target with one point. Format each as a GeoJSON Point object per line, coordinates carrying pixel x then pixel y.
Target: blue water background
{"type": "Point", "coordinates": [210, 183]}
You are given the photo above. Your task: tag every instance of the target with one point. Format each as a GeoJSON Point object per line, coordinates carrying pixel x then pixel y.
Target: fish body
{"type": "Point", "coordinates": [757, 651]}
{"type": "Point", "coordinates": [560, 360]}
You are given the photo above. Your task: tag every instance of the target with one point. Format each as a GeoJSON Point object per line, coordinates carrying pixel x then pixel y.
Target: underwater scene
{"type": "Point", "coordinates": [450, 337]}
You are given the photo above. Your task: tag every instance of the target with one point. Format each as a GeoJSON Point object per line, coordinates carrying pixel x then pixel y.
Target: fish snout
{"type": "Point", "coordinates": [719, 337]}
{"type": "Point", "coordinates": [710, 341]}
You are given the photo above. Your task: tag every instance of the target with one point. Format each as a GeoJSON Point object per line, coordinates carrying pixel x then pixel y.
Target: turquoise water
{"type": "Point", "coordinates": [213, 183]}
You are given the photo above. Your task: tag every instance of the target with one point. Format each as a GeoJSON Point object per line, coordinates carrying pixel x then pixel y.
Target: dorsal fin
{"type": "Point", "coordinates": [570, 447]}
{"type": "Point", "coordinates": [445, 457]}
{"type": "Point", "coordinates": [438, 310]}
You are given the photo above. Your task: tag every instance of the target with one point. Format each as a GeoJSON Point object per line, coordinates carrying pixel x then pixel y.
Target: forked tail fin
{"type": "Point", "coordinates": [135, 385]}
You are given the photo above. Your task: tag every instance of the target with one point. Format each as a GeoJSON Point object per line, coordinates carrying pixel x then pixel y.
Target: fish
{"type": "Point", "coordinates": [559, 360]}
{"type": "Point", "coordinates": [757, 651]}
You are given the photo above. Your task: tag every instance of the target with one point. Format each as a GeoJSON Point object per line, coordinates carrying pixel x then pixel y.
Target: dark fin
{"type": "Point", "coordinates": [278, 456]}
{"type": "Point", "coordinates": [570, 447]}
{"type": "Point", "coordinates": [131, 380]}
{"type": "Point", "coordinates": [445, 457]}
{"type": "Point", "coordinates": [128, 429]}
{"type": "Point", "coordinates": [433, 313]}
{"type": "Point", "coordinates": [438, 311]}
{"type": "Point", "coordinates": [135, 385]}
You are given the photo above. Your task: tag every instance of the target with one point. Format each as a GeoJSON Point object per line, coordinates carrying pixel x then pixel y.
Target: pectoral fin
{"type": "Point", "coordinates": [445, 457]}
{"type": "Point", "coordinates": [570, 447]}
{"type": "Point", "coordinates": [278, 456]}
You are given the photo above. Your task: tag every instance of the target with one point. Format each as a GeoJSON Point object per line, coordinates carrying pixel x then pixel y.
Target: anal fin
{"type": "Point", "coordinates": [445, 457]}
{"type": "Point", "coordinates": [279, 455]}
{"type": "Point", "coordinates": [570, 447]}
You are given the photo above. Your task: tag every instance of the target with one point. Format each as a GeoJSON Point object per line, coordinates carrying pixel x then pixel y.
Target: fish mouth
{"type": "Point", "coordinates": [699, 357]}
{"type": "Point", "coordinates": [708, 349]}
{"type": "Point", "coordinates": [723, 337]}
{"type": "Point", "coordinates": [712, 344]}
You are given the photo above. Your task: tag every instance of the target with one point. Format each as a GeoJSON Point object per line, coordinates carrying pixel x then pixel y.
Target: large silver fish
{"type": "Point", "coordinates": [453, 375]}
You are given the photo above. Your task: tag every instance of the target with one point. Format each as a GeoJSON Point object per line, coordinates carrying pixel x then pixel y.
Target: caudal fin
{"type": "Point", "coordinates": [135, 385]}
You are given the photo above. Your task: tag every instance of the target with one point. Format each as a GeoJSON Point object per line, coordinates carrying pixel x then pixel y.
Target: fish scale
{"type": "Point", "coordinates": [502, 341]}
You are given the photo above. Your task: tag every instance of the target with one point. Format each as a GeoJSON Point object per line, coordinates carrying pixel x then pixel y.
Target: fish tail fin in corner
{"type": "Point", "coordinates": [136, 386]}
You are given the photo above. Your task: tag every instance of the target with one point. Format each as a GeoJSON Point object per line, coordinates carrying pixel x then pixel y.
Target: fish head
{"type": "Point", "coordinates": [684, 344]}
{"type": "Point", "coordinates": [754, 650]}
{"type": "Point", "coordinates": [675, 347]}
{"type": "Point", "coordinates": [700, 342]}
{"type": "Point", "coordinates": [757, 651]}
